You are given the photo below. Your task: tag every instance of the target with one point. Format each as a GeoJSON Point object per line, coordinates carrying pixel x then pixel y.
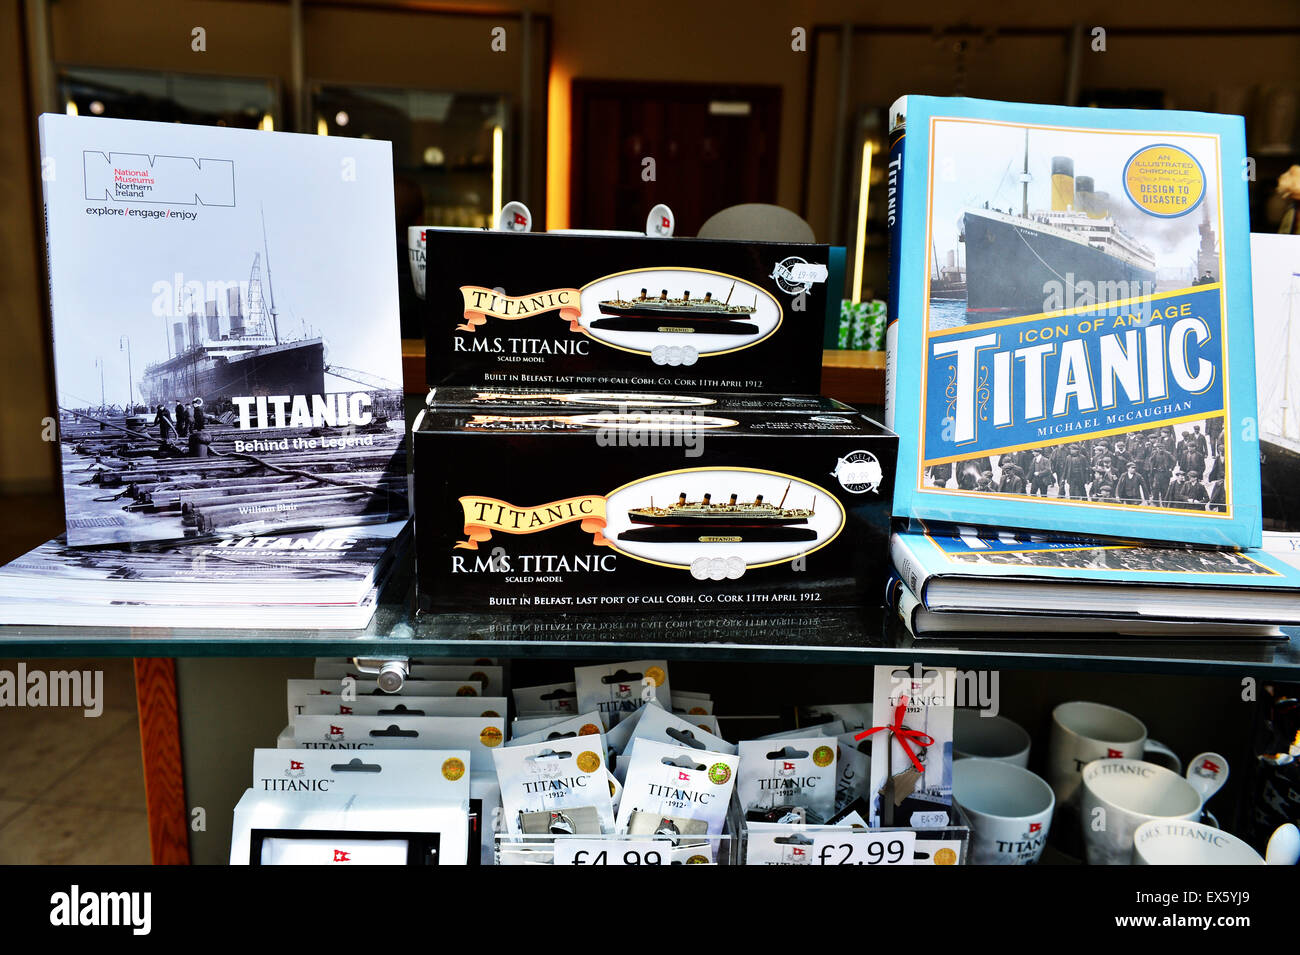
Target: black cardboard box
{"type": "Point", "coordinates": [722, 511]}
{"type": "Point", "coordinates": [580, 312]}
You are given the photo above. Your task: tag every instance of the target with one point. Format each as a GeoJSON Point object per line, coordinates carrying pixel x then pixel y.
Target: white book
{"type": "Point", "coordinates": [226, 339]}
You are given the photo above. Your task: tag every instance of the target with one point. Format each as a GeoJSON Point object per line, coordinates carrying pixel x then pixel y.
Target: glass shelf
{"type": "Point", "coordinates": [864, 638]}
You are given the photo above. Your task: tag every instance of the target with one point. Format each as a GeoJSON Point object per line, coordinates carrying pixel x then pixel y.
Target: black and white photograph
{"type": "Point", "coordinates": [221, 368]}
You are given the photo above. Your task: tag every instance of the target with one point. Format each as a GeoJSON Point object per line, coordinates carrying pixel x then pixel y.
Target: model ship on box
{"type": "Point", "coordinates": [703, 521]}
{"type": "Point", "coordinates": [683, 315]}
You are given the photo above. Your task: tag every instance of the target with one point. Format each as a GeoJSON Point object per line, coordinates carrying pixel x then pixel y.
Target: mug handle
{"type": "Point", "coordinates": [1156, 752]}
{"type": "Point", "coordinates": [1209, 819]}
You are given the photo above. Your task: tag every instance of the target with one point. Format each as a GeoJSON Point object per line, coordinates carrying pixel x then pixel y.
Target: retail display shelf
{"type": "Point", "coordinates": [797, 636]}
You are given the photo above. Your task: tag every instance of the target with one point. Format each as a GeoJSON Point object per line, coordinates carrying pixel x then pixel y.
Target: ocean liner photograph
{"type": "Point", "coordinates": [703, 521]}
{"type": "Point", "coordinates": [221, 369]}
{"type": "Point", "coordinates": [682, 314]}
{"type": "Point", "coordinates": [1037, 220]}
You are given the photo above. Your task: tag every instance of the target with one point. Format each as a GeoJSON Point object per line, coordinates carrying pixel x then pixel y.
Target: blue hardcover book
{"type": "Point", "coordinates": [983, 571]}
{"type": "Point", "coordinates": [1071, 339]}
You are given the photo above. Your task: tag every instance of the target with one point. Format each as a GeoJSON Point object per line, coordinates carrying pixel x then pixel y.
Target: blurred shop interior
{"type": "Point", "coordinates": [559, 103]}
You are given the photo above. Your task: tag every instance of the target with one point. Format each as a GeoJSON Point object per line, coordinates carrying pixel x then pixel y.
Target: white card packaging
{"type": "Point", "coordinates": [668, 786]}
{"type": "Point", "coordinates": [376, 807]}
{"type": "Point", "coordinates": [833, 728]}
{"type": "Point", "coordinates": [488, 706]}
{"type": "Point", "coordinates": [658, 724]}
{"type": "Point", "coordinates": [531, 724]}
{"type": "Point", "coordinates": [582, 725]}
{"type": "Point", "coordinates": [619, 737]}
{"type": "Point", "coordinates": [559, 698]}
{"type": "Point", "coordinates": [911, 759]}
{"type": "Point", "coordinates": [299, 690]}
{"type": "Point", "coordinates": [794, 772]}
{"type": "Point", "coordinates": [616, 689]}
{"type": "Point", "coordinates": [480, 735]}
{"type": "Point", "coordinates": [566, 779]}
{"type": "Point", "coordinates": [853, 769]}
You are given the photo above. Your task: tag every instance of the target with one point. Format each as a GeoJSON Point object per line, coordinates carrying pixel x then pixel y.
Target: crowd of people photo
{"type": "Point", "coordinates": [1179, 467]}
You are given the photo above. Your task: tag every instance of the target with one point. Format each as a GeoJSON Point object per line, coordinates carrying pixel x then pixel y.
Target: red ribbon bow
{"type": "Point", "coordinates": [903, 735]}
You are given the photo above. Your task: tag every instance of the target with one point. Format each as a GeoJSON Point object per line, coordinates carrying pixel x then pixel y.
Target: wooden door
{"type": "Point", "coordinates": [711, 146]}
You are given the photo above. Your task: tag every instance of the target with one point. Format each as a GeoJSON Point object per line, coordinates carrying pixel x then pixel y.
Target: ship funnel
{"type": "Point", "coordinates": [681, 498]}
{"type": "Point", "coordinates": [235, 309]}
{"type": "Point", "coordinates": [663, 295]}
{"type": "Point", "coordinates": [733, 500]}
{"type": "Point", "coordinates": [643, 295]}
{"type": "Point", "coordinates": [214, 323]}
{"type": "Point", "coordinates": [1085, 198]}
{"type": "Point", "coordinates": [1062, 183]}
{"type": "Point", "coordinates": [178, 334]}
{"type": "Point", "coordinates": [686, 296]}
{"type": "Point", "coordinates": [759, 499]}
{"type": "Point", "coordinates": [707, 498]}
{"type": "Point", "coordinates": [194, 329]}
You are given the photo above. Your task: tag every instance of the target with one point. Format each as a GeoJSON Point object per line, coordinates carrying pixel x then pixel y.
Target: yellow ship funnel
{"type": "Point", "coordinates": [1062, 183]}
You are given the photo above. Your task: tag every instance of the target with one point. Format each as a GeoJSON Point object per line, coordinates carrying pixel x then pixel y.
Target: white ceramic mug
{"type": "Point", "coordinates": [416, 251]}
{"type": "Point", "coordinates": [1082, 732]}
{"type": "Point", "coordinates": [1118, 795]}
{"type": "Point", "coordinates": [977, 736]}
{"type": "Point", "coordinates": [1010, 810]}
{"type": "Point", "coordinates": [1162, 842]}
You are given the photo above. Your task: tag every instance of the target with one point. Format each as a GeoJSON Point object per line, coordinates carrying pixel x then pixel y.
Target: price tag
{"type": "Point", "coordinates": [832, 847]}
{"type": "Point", "coordinates": [610, 852]}
{"type": "Point", "coordinates": [855, 847]}
{"type": "Point", "coordinates": [929, 820]}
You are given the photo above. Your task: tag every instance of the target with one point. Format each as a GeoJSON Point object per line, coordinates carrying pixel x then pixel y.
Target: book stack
{"type": "Point", "coordinates": [232, 433]}
{"type": "Point", "coordinates": [1074, 390]}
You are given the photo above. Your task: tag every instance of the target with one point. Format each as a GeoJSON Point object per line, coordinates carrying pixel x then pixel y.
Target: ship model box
{"type": "Point", "coordinates": [575, 311]}
{"type": "Point", "coordinates": [221, 372]}
{"type": "Point", "coordinates": [1070, 339]}
{"type": "Point", "coordinates": [639, 512]}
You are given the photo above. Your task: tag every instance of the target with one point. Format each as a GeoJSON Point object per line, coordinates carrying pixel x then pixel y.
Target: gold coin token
{"type": "Point", "coordinates": [453, 769]}
{"type": "Point", "coordinates": [491, 736]}
{"type": "Point", "coordinates": [656, 675]}
{"type": "Point", "coordinates": [945, 857]}
{"type": "Point", "coordinates": [588, 762]}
